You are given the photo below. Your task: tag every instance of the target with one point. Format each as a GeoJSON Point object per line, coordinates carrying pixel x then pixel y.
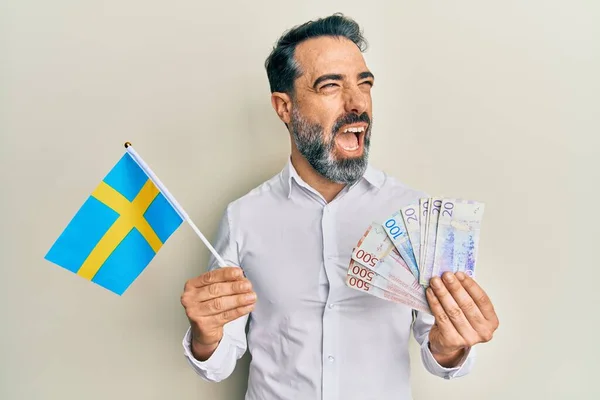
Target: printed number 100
{"type": "Point", "coordinates": [395, 230]}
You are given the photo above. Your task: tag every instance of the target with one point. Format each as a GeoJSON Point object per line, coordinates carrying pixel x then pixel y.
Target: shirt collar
{"type": "Point", "coordinates": [372, 175]}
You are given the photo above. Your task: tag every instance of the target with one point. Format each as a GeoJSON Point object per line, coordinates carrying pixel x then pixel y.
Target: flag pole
{"type": "Point", "coordinates": [136, 157]}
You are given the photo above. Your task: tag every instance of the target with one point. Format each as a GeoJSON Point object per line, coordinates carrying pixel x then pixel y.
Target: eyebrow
{"type": "Point", "coordinates": [339, 77]}
{"type": "Point", "coordinates": [366, 74]}
{"type": "Point", "coordinates": [327, 77]}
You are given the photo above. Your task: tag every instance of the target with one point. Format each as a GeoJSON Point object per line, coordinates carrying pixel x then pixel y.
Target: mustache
{"type": "Point", "coordinates": [350, 118]}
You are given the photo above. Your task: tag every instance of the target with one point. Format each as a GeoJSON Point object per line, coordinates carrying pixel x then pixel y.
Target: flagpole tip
{"type": "Point", "coordinates": [127, 144]}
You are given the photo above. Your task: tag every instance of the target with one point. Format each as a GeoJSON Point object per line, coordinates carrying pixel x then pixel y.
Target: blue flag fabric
{"type": "Point", "coordinates": [118, 230]}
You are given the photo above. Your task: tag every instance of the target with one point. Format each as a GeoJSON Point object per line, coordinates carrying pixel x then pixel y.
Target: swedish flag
{"type": "Point", "coordinates": [118, 230]}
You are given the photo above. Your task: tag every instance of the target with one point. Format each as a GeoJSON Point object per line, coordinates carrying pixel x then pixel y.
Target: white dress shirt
{"type": "Point", "coordinates": [310, 336]}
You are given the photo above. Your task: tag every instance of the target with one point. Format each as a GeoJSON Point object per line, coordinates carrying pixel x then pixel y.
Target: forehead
{"type": "Point", "coordinates": [329, 55]}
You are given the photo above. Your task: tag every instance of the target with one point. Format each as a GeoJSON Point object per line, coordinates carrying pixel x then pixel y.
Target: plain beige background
{"type": "Point", "coordinates": [490, 100]}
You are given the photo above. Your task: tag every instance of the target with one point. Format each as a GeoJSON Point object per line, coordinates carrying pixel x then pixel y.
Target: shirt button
{"type": "Point", "coordinates": [331, 305]}
{"type": "Point", "coordinates": [331, 359]}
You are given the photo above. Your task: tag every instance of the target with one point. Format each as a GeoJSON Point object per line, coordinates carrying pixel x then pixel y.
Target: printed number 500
{"type": "Point", "coordinates": [359, 284]}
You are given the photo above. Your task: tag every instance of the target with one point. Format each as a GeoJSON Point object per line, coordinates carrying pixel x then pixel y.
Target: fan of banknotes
{"type": "Point", "coordinates": [395, 260]}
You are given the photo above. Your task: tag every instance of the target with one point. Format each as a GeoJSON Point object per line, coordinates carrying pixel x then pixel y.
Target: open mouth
{"type": "Point", "coordinates": [350, 138]}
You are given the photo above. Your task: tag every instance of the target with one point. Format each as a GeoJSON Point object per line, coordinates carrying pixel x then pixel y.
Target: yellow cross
{"type": "Point", "coordinates": [131, 215]}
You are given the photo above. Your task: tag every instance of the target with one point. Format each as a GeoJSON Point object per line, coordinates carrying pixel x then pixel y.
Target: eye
{"type": "Point", "coordinates": [370, 83]}
{"type": "Point", "coordinates": [329, 85]}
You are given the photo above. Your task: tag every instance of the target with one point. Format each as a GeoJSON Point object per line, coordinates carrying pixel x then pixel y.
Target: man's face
{"type": "Point", "coordinates": [331, 108]}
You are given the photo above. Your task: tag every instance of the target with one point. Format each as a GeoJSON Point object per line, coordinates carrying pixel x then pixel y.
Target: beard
{"type": "Point", "coordinates": [320, 154]}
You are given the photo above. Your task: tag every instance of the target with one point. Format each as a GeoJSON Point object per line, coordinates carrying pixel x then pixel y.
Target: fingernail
{"type": "Point", "coordinates": [435, 282]}
{"type": "Point", "coordinates": [461, 276]}
{"type": "Point", "coordinates": [246, 286]}
{"type": "Point", "coordinates": [250, 297]}
{"type": "Point", "coordinates": [449, 277]}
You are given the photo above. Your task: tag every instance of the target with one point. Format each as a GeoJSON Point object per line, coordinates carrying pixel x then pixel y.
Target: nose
{"type": "Point", "coordinates": [355, 100]}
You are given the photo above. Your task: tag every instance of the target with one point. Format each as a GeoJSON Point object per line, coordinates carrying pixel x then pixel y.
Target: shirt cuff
{"type": "Point", "coordinates": [463, 367]}
{"type": "Point", "coordinates": [211, 367]}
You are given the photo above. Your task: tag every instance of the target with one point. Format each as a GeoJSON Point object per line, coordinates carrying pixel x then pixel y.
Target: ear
{"type": "Point", "coordinates": [282, 104]}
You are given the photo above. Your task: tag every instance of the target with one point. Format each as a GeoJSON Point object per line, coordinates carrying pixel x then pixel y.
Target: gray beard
{"type": "Point", "coordinates": [320, 155]}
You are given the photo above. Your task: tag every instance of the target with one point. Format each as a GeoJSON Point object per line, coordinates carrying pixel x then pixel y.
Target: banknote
{"type": "Point", "coordinates": [393, 268]}
{"type": "Point", "coordinates": [423, 214]}
{"type": "Point", "coordinates": [402, 272]}
{"type": "Point", "coordinates": [373, 250]}
{"type": "Point", "coordinates": [365, 287]}
{"type": "Point", "coordinates": [360, 271]}
{"type": "Point", "coordinates": [395, 259]}
{"type": "Point", "coordinates": [458, 236]}
{"type": "Point", "coordinates": [410, 215]}
{"type": "Point", "coordinates": [433, 211]}
{"type": "Point", "coordinates": [444, 252]}
{"type": "Point", "coordinates": [373, 245]}
{"type": "Point", "coordinates": [377, 253]}
{"type": "Point", "coordinates": [396, 230]}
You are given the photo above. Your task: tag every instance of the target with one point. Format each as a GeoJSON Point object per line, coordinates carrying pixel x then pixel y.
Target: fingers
{"type": "Point", "coordinates": [480, 298]}
{"type": "Point", "coordinates": [222, 289]}
{"type": "Point", "coordinates": [217, 312]}
{"type": "Point", "coordinates": [215, 298]}
{"type": "Point", "coordinates": [441, 318]}
{"type": "Point", "coordinates": [236, 313]}
{"type": "Point", "coordinates": [217, 292]}
{"type": "Point", "coordinates": [223, 274]}
{"type": "Point", "coordinates": [226, 304]}
{"type": "Point", "coordinates": [464, 301]}
{"type": "Point", "coordinates": [216, 321]}
{"type": "Point", "coordinates": [452, 310]}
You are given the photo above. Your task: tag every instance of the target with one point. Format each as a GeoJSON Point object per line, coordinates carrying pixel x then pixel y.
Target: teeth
{"type": "Point", "coordinates": [355, 129]}
{"type": "Point", "coordinates": [350, 148]}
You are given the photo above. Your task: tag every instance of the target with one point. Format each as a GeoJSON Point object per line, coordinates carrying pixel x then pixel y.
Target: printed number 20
{"type": "Point", "coordinates": [448, 207]}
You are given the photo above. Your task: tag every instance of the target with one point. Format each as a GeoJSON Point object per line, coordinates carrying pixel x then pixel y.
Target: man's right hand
{"type": "Point", "coordinates": [210, 301]}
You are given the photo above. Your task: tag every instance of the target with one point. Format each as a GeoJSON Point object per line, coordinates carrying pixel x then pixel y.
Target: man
{"type": "Point", "coordinates": [289, 243]}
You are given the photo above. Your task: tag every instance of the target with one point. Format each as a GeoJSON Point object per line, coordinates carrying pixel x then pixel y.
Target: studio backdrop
{"type": "Point", "coordinates": [495, 101]}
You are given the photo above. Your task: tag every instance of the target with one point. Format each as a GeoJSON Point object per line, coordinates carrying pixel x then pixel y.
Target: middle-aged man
{"type": "Point", "coordinates": [288, 243]}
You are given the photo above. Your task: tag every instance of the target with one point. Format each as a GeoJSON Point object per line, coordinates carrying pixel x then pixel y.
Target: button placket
{"type": "Point", "coordinates": [330, 318]}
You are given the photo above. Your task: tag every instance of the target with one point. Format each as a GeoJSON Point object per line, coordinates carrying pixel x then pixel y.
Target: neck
{"type": "Point", "coordinates": [324, 186]}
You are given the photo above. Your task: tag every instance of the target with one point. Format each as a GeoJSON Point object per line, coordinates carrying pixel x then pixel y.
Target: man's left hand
{"type": "Point", "coordinates": [464, 316]}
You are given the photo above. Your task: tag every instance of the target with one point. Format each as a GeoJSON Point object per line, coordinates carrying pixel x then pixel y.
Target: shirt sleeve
{"type": "Point", "coordinates": [233, 345]}
{"type": "Point", "coordinates": [421, 326]}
